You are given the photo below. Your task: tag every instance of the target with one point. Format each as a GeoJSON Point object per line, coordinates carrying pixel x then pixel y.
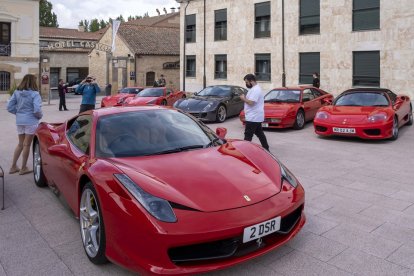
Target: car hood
{"type": "Point", "coordinates": [352, 114]}
{"type": "Point", "coordinates": [279, 109]}
{"type": "Point", "coordinates": [141, 100]}
{"type": "Point", "coordinates": [208, 180]}
{"type": "Point", "coordinates": [197, 104]}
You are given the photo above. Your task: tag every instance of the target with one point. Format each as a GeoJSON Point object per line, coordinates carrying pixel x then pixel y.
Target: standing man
{"type": "Point", "coordinates": [88, 88]}
{"type": "Point", "coordinates": [316, 82]}
{"type": "Point", "coordinates": [254, 111]}
{"type": "Point", "coordinates": [62, 96]}
{"type": "Point", "coordinates": [162, 82]}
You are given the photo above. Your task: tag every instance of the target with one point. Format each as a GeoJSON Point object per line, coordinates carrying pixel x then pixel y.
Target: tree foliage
{"type": "Point", "coordinates": [46, 16]}
{"type": "Point", "coordinates": [95, 24]}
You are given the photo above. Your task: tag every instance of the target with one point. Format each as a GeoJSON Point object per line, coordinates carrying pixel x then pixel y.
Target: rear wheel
{"type": "Point", "coordinates": [410, 117]}
{"type": "Point", "coordinates": [300, 120]}
{"type": "Point", "coordinates": [221, 114]}
{"type": "Point", "coordinates": [39, 177]}
{"type": "Point", "coordinates": [92, 225]}
{"type": "Point", "coordinates": [184, 96]}
{"type": "Point", "coordinates": [394, 129]}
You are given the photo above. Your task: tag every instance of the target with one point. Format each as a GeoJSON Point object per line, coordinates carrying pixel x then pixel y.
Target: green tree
{"type": "Point", "coordinates": [102, 24]}
{"type": "Point", "coordinates": [94, 26]}
{"type": "Point", "coordinates": [46, 16]}
{"type": "Point", "coordinates": [120, 18]}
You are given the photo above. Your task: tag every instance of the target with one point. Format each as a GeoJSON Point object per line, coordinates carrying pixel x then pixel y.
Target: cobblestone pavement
{"type": "Point", "coordinates": [359, 206]}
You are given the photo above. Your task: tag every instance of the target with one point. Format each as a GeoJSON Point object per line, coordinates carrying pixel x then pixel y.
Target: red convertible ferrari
{"type": "Point", "coordinates": [158, 192]}
{"type": "Point", "coordinates": [292, 106]}
{"type": "Point", "coordinates": [119, 99]}
{"type": "Point", "coordinates": [368, 113]}
{"type": "Point", "coordinates": [157, 96]}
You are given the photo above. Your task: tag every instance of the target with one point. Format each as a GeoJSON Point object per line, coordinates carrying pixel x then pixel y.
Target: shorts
{"type": "Point", "coordinates": [26, 129]}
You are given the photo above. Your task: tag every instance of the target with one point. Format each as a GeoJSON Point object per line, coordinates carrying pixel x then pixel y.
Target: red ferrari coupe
{"type": "Point", "coordinates": [368, 113]}
{"type": "Point", "coordinates": [292, 106]}
{"type": "Point", "coordinates": [119, 99]}
{"type": "Point", "coordinates": [157, 96]}
{"type": "Point", "coordinates": [158, 192]}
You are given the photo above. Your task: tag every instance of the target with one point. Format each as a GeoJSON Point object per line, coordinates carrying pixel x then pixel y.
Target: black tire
{"type": "Point", "coordinates": [299, 120]}
{"type": "Point", "coordinates": [183, 97]}
{"type": "Point", "coordinates": [38, 175]}
{"type": "Point", "coordinates": [410, 117]}
{"type": "Point", "coordinates": [95, 256]}
{"type": "Point", "coordinates": [221, 114]}
{"type": "Point", "coordinates": [395, 129]}
{"type": "Point", "coordinates": [164, 102]}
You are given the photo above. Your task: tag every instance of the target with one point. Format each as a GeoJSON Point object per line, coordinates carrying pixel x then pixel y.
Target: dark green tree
{"type": "Point", "coordinates": [94, 26]}
{"type": "Point", "coordinates": [46, 16]}
{"type": "Point", "coordinates": [102, 24]}
{"type": "Point", "coordinates": [120, 18]}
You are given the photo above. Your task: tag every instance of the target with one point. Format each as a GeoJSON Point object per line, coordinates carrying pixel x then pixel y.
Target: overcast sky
{"type": "Point", "coordinates": [70, 12]}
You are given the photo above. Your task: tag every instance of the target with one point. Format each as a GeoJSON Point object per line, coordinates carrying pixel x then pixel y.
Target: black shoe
{"type": "Point", "coordinates": [60, 110]}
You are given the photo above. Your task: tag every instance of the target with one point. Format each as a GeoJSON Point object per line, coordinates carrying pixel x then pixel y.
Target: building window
{"type": "Point", "coordinates": [190, 28]}
{"type": "Point", "coordinates": [221, 67]}
{"type": "Point", "coordinates": [263, 68]}
{"type": "Point", "coordinates": [5, 48]}
{"type": "Point", "coordinates": [262, 20]}
{"type": "Point", "coordinates": [309, 18]}
{"type": "Point", "coordinates": [150, 78]}
{"type": "Point", "coordinates": [366, 69]}
{"type": "Point", "coordinates": [220, 25]}
{"type": "Point", "coordinates": [309, 63]}
{"type": "Point", "coordinates": [365, 15]}
{"type": "Point", "coordinates": [190, 70]}
{"type": "Point", "coordinates": [4, 81]}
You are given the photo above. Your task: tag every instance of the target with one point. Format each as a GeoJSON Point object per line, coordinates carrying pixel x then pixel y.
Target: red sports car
{"type": "Point", "coordinates": [119, 99]}
{"type": "Point", "coordinates": [158, 192]}
{"type": "Point", "coordinates": [157, 96]}
{"type": "Point", "coordinates": [368, 113]}
{"type": "Point", "coordinates": [292, 106]}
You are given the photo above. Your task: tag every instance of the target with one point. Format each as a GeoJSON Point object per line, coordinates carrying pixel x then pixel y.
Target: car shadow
{"type": "Point", "coordinates": [289, 129]}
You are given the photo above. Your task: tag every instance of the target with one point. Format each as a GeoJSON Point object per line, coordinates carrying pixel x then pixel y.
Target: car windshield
{"type": "Point", "coordinates": [291, 96]}
{"type": "Point", "coordinates": [215, 91]}
{"type": "Point", "coordinates": [150, 132]}
{"type": "Point", "coordinates": [151, 92]}
{"type": "Point", "coordinates": [362, 99]}
{"type": "Point", "coordinates": [129, 90]}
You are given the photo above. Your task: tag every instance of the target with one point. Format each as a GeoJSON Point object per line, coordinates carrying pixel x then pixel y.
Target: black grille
{"type": "Point", "coordinates": [321, 128]}
{"type": "Point", "coordinates": [233, 247]}
{"type": "Point", "coordinates": [373, 132]}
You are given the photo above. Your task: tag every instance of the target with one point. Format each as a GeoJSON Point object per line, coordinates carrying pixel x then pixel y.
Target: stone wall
{"type": "Point", "coordinates": [336, 42]}
{"type": "Point", "coordinates": [155, 64]}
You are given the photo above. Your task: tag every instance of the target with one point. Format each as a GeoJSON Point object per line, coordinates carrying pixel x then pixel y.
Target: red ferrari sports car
{"type": "Point", "coordinates": [156, 96]}
{"type": "Point", "coordinates": [292, 106]}
{"type": "Point", "coordinates": [368, 113]}
{"type": "Point", "coordinates": [119, 99]}
{"type": "Point", "coordinates": [158, 192]}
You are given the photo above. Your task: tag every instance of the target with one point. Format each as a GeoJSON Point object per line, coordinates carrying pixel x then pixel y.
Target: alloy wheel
{"type": "Point", "coordinates": [90, 223]}
{"type": "Point", "coordinates": [37, 162]}
{"type": "Point", "coordinates": [300, 118]}
{"type": "Point", "coordinates": [395, 129]}
{"type": "Point", "coordinates": [221, 114]}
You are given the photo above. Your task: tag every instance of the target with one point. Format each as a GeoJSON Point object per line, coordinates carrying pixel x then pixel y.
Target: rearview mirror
{"type": "Point", "coordinates": [221, 132]}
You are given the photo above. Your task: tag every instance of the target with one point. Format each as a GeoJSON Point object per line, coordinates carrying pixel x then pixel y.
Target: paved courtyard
{"type": "Point", "coordinates": [359, 206]}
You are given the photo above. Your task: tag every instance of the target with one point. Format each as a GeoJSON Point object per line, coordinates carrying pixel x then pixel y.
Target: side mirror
{"type": "Point", "coordinates": [305, 99]}
{"type": "Point", "coordinates": [327, 101]}
{"type": "Point", "coordinates": [58, 150]}
{"type": "Point", "coordinates": [221, 132]}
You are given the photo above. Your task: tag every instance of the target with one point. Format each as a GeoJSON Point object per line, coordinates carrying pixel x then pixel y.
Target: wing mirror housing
{"type": "Point", "coordinates": [221, 132]}
{"type": "Point", "coordinates": [327, 101]}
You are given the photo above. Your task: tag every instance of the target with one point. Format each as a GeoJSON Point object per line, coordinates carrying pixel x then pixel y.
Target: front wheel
{"type": "Point", "coordinates": [221, 114]}
{"type": "Point", "coordinates": [92, 225]}
{"type": "Point", "coordinates": [395, 129]}
{"type": "Point", "coordinates": [299, 120]}
{"type": "Point", "coordinates": [39, 176]}
{"type": "Point", "coordinates": [410, 117]}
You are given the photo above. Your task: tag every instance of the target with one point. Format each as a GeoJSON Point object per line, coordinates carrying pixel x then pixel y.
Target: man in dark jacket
{"type": "Point", "coordinates": [62, 96]}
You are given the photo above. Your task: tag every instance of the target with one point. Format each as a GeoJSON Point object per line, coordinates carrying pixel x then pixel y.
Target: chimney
{"type": "Point", "coordinates": [165, 10]}
{"type": "Point", "coordinates": [158, 11]}
{"type": "Point", "coordinates": [81, 28]}
{"type": "Point", "coordinates": [172, 10]}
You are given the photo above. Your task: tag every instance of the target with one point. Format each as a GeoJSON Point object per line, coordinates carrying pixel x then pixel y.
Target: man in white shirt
{"type": "Point", "coordinates": [254, 111]}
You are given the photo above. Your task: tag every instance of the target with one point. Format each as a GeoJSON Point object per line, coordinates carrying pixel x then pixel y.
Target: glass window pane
{"type": "Point", "coordinates": [262, 9]}
{"type": "Point", "coordinates": [309, 63]}
{"type": "Point", "coordinates": [366, 69]}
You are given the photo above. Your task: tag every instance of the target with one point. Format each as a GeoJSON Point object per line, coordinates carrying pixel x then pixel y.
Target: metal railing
{"type": "Point", "coordinates": [5, 49]}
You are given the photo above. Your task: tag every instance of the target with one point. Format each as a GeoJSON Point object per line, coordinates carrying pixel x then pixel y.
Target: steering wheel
{"type": "Point", "coordinates": [122, 142]}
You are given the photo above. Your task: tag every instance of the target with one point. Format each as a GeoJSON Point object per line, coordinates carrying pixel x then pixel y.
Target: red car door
{"type": "Point", "coordinates": [310, 104]}
{"type": "Point", "coordinates": [170, 96]}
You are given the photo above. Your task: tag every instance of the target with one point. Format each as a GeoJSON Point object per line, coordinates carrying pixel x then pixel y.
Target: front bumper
{"type": "Point", "coordinates": [364, 131]}
{"type": "Point", "coordinates": [140, 243]}
{"type": "Point", "coordinates": [209, 116]}
{"type": "Point", "coordinates": [283, 122]}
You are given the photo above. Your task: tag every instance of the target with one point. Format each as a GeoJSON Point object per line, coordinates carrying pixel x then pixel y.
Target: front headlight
{"type": "Point", "coordinates": [380, 117]}
{"type": "Point", "coordinates": [322, 115]}
{"type": "Point", "coordinates": [288, 176]}
{"type": "Point", "coordinates": [157, 207]}
{"type": "Point", "coordinates": [208, 107]}
{"type": "Point", "coordinates": [152, 101]}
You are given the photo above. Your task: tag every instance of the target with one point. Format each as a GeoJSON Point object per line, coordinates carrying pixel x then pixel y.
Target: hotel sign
{"type": "Point", "coordinates": [73, 44]}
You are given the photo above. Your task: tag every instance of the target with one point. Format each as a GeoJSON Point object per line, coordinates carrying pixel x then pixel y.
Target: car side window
{"type": "Point", "coordinates": [79, 133]}
{"type": "Point", "coordinates": [316, 93]}
{"type": "Point", "coordinates": [307, 95]}
{"type": "Point", "coordinates": [392, 96]}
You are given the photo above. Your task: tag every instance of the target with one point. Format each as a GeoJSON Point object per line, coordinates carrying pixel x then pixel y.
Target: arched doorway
{"type": "Point", "coordinates": [150, 78]}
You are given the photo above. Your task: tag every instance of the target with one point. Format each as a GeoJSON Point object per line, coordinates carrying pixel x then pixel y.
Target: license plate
{"type": "Point", "coordinates": [261, 229]}
{"type": "Point", "coordinates": [265, 125]}
{"type": "Point", "coordinates": [343, 130]}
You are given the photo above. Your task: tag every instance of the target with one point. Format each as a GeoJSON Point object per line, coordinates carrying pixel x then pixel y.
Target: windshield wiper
{"type": "Point", "coordinates": [215, 140]}
{"type": "Point", "coordinates": [178, 149]}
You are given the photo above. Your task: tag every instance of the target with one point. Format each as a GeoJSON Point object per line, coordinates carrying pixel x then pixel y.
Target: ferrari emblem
{"type": "Point", "coordinates": [247, 198]}
{"type": "Point", "coordinates": [344, 122]}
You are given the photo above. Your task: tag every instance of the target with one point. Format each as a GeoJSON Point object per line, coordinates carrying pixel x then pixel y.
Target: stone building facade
{"type": "Point", "coordinates": [144, 49]}
{"type": "Point", "coordinates": [19, 41]}
{"type": "Point", "coordinates": [350, 43]}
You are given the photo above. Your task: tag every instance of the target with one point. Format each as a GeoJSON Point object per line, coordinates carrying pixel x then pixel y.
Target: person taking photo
{"type": "Point", "coordinates": [88, 88]}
